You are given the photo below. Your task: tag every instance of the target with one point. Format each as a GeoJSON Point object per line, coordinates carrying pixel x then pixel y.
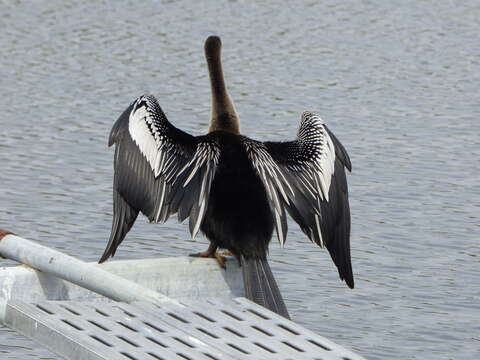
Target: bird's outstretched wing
{"type": "Point", "coordinates": [159, 170]}
{"type": "Point", "coordinates": [306, 177]}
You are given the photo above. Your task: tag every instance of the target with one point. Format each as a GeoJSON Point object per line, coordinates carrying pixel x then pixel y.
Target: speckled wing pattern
{"type": "Point", "coordinates": [158, 170]}
{"type": "Point", "coordinates": [306, 178]}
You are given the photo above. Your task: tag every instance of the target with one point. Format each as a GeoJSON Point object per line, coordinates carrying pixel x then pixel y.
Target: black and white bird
{"type": "Point", "coordinates": [233, 189]}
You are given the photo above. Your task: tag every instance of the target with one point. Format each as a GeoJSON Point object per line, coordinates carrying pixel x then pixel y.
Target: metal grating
{"type": "Point", "coordinates": [236, 329]}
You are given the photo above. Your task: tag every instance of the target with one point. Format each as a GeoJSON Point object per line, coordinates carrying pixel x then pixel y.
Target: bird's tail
{"type": "Point", "coordinates": [260, 285]}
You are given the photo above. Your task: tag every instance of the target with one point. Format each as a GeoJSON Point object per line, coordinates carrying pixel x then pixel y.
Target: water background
{"type": "Point", "coordinates": [397, 81]}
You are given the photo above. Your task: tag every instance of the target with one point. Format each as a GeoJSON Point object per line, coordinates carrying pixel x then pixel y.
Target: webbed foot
{"type": "Point", "coordinates": [211, 252]}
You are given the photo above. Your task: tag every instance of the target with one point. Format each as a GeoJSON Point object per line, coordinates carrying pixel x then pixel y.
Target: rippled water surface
{"type": "Point", "coordinates": [398, 83]}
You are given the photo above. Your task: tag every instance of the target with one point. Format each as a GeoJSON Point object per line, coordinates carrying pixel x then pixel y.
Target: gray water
{"type": "Point", "coordinates": [397, 82]}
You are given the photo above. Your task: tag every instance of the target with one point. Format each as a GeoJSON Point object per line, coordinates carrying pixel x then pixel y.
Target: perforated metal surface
{"type": "Point", "coordinates": [237, 329]}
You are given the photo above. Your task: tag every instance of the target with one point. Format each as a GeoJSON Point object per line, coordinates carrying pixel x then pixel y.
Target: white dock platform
{"type": "Point", "coordinates": [199, 313]}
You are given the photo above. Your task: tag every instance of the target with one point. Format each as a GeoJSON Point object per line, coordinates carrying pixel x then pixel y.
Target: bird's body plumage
{"type": "Point", "coordinates": [234, 189]}
{"type": "Point", "coordinates": [238, 217]}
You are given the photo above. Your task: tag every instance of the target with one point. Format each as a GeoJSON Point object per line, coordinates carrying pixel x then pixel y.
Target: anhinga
{"type": "Point", "coordinates": [234, 189]}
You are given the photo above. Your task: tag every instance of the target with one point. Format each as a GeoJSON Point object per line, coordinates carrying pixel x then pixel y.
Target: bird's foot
{"type": "Point", "coordinates": [227, 253]}
{"type": "Point", "coordinates": [211, 252]}
{"type": "Point", "coordinates": [207, 253]}
{"type": "Point", "coordinates": [203, 254]}
{"type": "Point", "coordinates": [232, 254]}
{"type": "Point", "coordinates": [221, 260]}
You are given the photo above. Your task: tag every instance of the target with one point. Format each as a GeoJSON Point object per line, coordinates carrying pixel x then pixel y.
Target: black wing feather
{"type": "Point", "coordinates": [340, 150]}
{"type": "Point", "coordinates": [308, 177]}
{"type": "Point", "coordinates": [159, 170]}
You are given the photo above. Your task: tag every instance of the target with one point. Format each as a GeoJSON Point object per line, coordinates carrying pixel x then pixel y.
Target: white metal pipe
{"type": "Point", "coordinates": [83, 274]}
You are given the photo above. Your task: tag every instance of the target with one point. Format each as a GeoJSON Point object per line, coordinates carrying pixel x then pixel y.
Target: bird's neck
{"type": "Point", "coordinates": [224, 116]}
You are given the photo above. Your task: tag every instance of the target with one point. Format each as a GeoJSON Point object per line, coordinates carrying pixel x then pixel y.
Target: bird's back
{"type": "Point", "coordinates": [238, 216]}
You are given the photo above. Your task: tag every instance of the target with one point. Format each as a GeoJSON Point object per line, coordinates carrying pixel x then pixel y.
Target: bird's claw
{"type": "Point", "coordinates": [227, 253]}
{"type": "Point", "coordinates": [221, 260]}
{"type": "Point", "coordinates": [202, 254]}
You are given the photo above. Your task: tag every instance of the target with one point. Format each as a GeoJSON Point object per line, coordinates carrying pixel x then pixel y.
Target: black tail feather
{"type": "Point", "coordinates": [261, 287]}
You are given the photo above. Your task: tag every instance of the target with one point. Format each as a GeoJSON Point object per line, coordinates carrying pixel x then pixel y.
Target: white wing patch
{"type": "Point", "coordinates": [276, 185]}
{"type": "Point", "coordinates": [321, 165]}
{"type": "Point", "coordinates": [207, 155]}
{"type": "Point", "coordinates": [139, 126]}
{"type": "Point", "coordinates": [148, 126]}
